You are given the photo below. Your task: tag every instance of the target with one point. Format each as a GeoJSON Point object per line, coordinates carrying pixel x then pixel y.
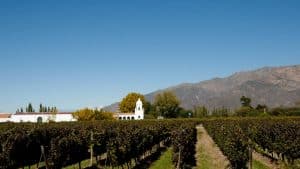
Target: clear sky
{"type": "Point", "coordinates": [80, 53]}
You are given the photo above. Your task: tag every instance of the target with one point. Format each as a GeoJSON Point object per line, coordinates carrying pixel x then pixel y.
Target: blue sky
{"type": "Point", "coordinates": [80, 53]}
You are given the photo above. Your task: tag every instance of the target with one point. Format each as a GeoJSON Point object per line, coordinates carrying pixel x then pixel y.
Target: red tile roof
{"type": "Point", "coordinates": [2, 115]}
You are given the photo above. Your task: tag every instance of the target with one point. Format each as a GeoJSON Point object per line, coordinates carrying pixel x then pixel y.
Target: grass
{"type": "Point", "coordinates": [84, 164]}
{"type": "Point", "coordinates": [296, 165]}
{"type": "Point", "coordinates": [208, 156]}
{"type": "Point", "coordinates": [34, 165]}
{"type": "Point", "coordinates": [204, 160]}
{"type": "Point", "coordinates": [164, 162]}
{"type": "Point", "coordinates": [259, 165]}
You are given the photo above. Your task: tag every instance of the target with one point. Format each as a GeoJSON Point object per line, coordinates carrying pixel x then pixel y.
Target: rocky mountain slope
{"type": "Point", "coordinates": [273, 86]}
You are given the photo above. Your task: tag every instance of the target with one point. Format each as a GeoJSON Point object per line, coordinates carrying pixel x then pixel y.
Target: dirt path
{"type": "Point", "coordinates": [265, 160]}
{"type": "Point", "coordinates": [208, 155]}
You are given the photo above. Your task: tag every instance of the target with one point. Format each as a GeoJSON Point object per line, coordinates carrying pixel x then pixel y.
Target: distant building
{"type": "Point", "coordinates": [137, 115]}
{"type": "Point", "coordinates": [37, 117]}
{"type": "Point", "coordinates": [66, 116]}
{"type": "Point", "coordinates": [4, 117]}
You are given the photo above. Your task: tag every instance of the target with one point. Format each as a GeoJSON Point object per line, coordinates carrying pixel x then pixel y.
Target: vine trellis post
{"type": "Point", "coordinates": [91, 148]}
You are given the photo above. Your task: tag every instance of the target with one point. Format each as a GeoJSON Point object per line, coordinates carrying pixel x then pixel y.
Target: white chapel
{"type": "Point", "coordinates": [137, 115]}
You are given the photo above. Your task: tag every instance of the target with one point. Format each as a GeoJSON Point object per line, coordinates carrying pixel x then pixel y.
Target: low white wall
{"type": "Point", "coordinates": [64, 117]}
{"type": "Point", "coordinates": [130, 116]}
{"type": "Point", "coordinates": [45, 117]}
{"type": "Point", "coordinates": [2, 120]}
{"type": "Point", "coordinates": [29, 118]}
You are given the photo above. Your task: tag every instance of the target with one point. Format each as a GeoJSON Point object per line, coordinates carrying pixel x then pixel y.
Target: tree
{"type": "Point", "coordinates": [184, 113]}
{"type": "Point", "coordinates": [91, 115]}
{"type": "Point", "coordinates": [29, 108]}
{"type": "Point", "coordinates": [84, 114]}
{"type": "Point", "coordinates": [103, 115]}
{"type": "Point", "coordinates": [167, 105]}
{"type": "Point", "coordinates": [148, 107]}
{"type": "Point", "coordinates": [220, 112]}
{"type": "Point", "coordinates": [41, 108]}
{"type": "Point", "coordinates": [262, 108]}
{"type": "Point", "coordinates": [200, 111]}
{"type": "Point", "coordinates": [127, 104]}
{"type": "Point", "coordinates": [150, 112]}
{"type": "Point", "coordinates": [246, 111]}
{"type": "Point", "coordinates": [245, 101]}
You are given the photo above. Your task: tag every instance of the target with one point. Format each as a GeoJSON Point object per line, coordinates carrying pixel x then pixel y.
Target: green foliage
{"type": "Point", "coordinates": [84, 114]}
{"type": "Point", "coordinates": [92, 114]}
{"type": "Point", "coordinates": [200, 111]}
{"type": "Point", "coordinates": [285, 111]}
{"type": "Point", "coordinates": [167, 105]}
{"type": "Point", "coordinates": [220, 112]}
{"type": "Point", "coordinates": [47, 109]}
{"type": "Point", "coordinates": [42, 108]}
{"type": "Point", "coordinates": [183, 113]}
{"type": "Point", "coordinates": [280, 136]}
{"type": "Point", "coordinates": [183, 142]}
{"type": "Point", "coordinates": [148, 107]}
{"type": "Point", "coordinates": [29, 108]}
{"type": "Point", "coordinates": [68, 149]}
{"type": "Point", "coordinates": [68, 143]}
{"type": "Point", "coordinates": [273, 135]}
{"type": "Point", "coordinates": [231, 140]}
{"type": "Point", "coordinates": [103, 115]}
{"type": "Point", "coordinates": [150, 112]}
{"type": "Point", "coordinates": [245, 101]}
{"type": "Point", "coordinates": [128, 103]}
{"type": "Point", "coordinates": [247, 111]}
{"type": "Point", "coordinates": [258, 165]}
{"type": "Point", "coordinates": [262, 108]}
{"type": "Point", "coordinates": [150, 116]}
{"type": "Point", "coordinates": [164, 161]}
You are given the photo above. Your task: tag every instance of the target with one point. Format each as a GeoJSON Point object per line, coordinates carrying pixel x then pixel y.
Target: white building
{"type": "Point", "coordinates": [4, 117]}
{"type": "Point", "coordinates": [39, 117]}
{"type": "Point", "coordinates": [67, 116]}
{"type": "Point", "coordinates": [137, 115]}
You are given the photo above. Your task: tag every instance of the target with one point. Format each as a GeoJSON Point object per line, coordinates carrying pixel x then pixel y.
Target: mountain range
{"type": "Point", "coordinates": [273, 86]}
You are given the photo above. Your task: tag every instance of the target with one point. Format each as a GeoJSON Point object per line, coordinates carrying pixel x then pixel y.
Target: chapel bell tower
{"type": "Point", "coordinates": [139, 110]}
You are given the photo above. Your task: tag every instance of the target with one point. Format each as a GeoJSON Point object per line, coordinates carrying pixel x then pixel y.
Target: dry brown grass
{"type": "Point", "coordinates": [208, 155]}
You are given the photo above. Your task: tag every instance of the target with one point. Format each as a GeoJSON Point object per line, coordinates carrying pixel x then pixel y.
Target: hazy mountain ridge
{"type": "Point", "coordinates": [273, 86]}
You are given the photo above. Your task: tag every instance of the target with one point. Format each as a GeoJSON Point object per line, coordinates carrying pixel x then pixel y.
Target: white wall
{"type": "Point", "coordinates": [2, 120]}
{"type": "Point", "coordinates": [45, 117]}
{"type": "Point", "coordinates": [64, 117]}
{"type": "Point", "coordinates": [135, 116]}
